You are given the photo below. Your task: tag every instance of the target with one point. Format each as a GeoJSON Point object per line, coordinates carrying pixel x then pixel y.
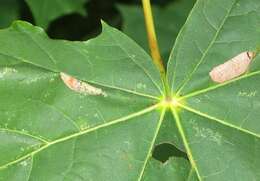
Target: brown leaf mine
{"type": "Point", "coordinates": [80, 87]}
{"type": "Point", "coordinates": [232, 68]}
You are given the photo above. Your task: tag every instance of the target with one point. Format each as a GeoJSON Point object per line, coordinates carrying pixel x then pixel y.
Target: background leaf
{"type": "Point", "coordinates": [8, 12]}
{"type": "Point", "coordinates": [45, 11]}
{"type": "Point", "coordinates": [168, 21]}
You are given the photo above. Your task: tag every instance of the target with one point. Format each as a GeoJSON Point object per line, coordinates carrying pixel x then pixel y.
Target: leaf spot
{"type": "Point", "coordinates": [232, 68]}
{"type": "Point", "coordinates": [80, 86]}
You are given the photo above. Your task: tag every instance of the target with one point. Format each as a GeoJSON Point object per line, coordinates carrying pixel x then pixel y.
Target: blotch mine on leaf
{"type": "Point", "coordinates": [232, 68]}
{"type": "Point", "coordinates": [81, 87]}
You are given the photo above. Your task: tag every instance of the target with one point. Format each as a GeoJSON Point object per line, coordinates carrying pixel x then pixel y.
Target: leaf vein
{"type": "Point", "coordinates": [75, 135]}
{"type": "Point", "coordinates": [185, 141]}
{"type": "Point", "coordinates": [195, 93]}
{"type": "Point", "coordinates": [152, 144]}
{"type": "Point", "coordinates": [44, 140]}
{"type": "Point", "coordinates": [220, 121]}
{"type": "Point", "coordinates": [140, 66]}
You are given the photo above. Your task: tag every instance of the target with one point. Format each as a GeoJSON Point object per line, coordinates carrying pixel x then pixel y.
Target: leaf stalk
{"type": "Point", "coordinates": [153, 43]}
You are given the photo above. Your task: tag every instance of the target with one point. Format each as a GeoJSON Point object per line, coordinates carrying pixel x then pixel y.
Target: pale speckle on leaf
{"type": "Point", "coordinates": [206, 133]}
{"type": "Point", "coordinates": [141, 86]}
{"type": "Point", "coordinates": [247, 93]}
{"type": "Point", "coordinates": [7, 70]}
{"type": "Point", "coordinates": [24, 163]}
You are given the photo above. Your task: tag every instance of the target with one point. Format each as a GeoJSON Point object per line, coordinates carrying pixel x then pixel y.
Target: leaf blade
{"type": "Point", "coordinates": [51, 54]}
{"type": "Point", "coordinates": [206, 50]}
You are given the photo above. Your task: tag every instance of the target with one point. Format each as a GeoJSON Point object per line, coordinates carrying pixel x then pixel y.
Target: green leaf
{"type": "Point", "coordinates": [88, 61]}
{"type": "Point", "coordinates": [45, 11]}
{"type": "Point", "coordinates": [168, 21]}
{"type": "Point", "coordinates": [218, 122]}
{"type": "Point", "coordinates": [211, 37]}
{"type": "Point", "coordinates": [51, 132]}
{"type": "Point", "coordinates": [169, 133]}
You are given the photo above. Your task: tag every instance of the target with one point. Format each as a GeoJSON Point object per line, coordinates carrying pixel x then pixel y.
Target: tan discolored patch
{"type": "Point", "coordinates": [232, 68]}
{"type": "Point", "coordinates": [80, 86]}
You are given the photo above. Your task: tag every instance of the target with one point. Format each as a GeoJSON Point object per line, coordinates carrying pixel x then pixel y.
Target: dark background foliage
{"type": "Point", "coordinates": [77, 27]}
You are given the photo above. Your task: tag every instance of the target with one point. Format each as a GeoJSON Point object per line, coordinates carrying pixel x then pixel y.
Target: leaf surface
{"type": "Point", "coordinates": [59, 134]}
{"type": "Point", "coordinates": [50, 132]}
{"type": "Point", "coordinates": [218, 122]}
